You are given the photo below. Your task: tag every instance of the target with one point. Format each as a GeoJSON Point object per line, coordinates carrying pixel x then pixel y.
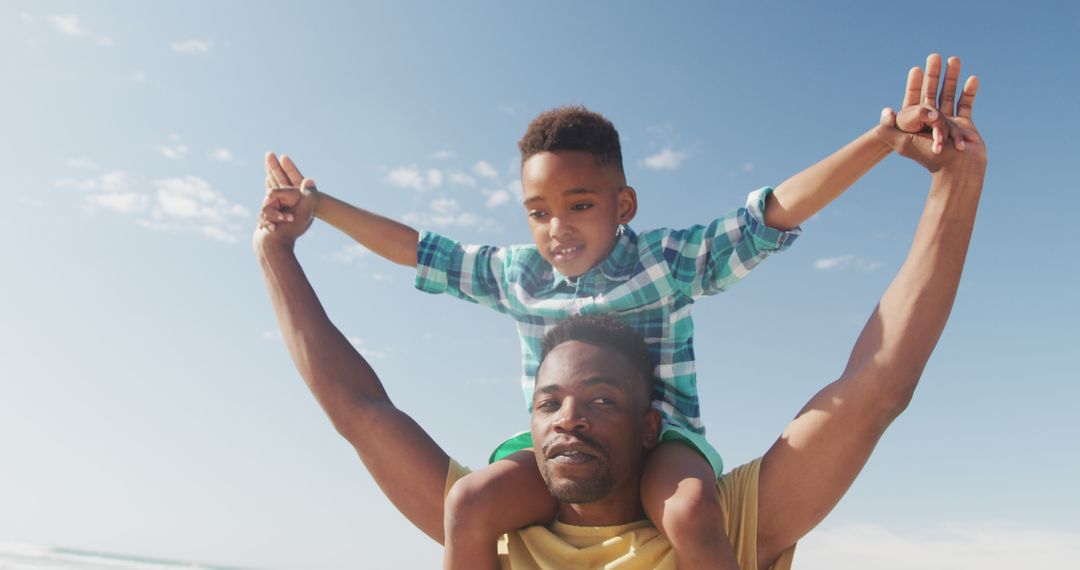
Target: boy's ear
{"type": "Point", "coordinates": [627, 204]}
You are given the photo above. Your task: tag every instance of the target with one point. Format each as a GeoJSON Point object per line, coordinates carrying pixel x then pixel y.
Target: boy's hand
{"type": "Point", "coordinates": [289, 198]}
{"type": "Point", "coordinates": [926, 116]}
{"type": "Point", "coordinates": [285, 190]}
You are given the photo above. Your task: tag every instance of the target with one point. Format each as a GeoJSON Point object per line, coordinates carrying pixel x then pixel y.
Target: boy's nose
{"type": "Point", "coordinates": [556, 227]}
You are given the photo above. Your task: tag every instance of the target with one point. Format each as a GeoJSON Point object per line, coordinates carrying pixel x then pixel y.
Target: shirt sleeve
{"type": "Point", "coordinates": [705, 260]}
{"type": "Point", "coordinates": [474, 273]}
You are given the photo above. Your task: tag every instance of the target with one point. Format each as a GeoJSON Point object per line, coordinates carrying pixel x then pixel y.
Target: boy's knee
{"type": "Point", "coordinates": [696, 505]}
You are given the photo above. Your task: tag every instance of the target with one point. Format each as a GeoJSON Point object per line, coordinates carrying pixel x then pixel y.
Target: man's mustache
{"type": "Point", "coordinates": [577, 439]}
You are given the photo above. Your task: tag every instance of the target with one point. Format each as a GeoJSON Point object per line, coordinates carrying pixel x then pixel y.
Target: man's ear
{"type": "Point", "coordinates": [626, 204]}
{"type": "Point", "coordinates": [651, 433]}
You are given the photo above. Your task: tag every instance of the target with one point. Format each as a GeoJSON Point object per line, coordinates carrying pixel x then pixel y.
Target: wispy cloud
{"type": "Point", "coordinates": [484, 169]}
{"type": "Point", "coordinates": [504, 195]}
{"type": "Point", "coordinates": [81, 162]}
{"type": "Point", "coordinates": [445, 212]}
{"type": "Point", "coordinates": [192, 46]}
{"type": "Point", "coordinates": [71, 25]}
{"type": "Point", "coordinates": [444, 154]}
{"type": "Point", "coordinates": [666, 159]}
{"type": "Point", "coordinates": [459, 178]}
{"type": "Point", "coordinates": [173, 151]}
{"type": "Point", "coordinates": [846, 261]}
{"type": "Point", "coordinates": [412, 177]}
{"type": "Point", "coordinates": [349, 253]}
{"type": "Point", "coordinates": [982, 545]}
{"type": "Point", "coordinates": [223, 155]}
{"type": "Point", "coordinates": [112, 181]}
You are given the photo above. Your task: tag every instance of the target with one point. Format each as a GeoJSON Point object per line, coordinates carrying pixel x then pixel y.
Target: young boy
{"type": "Point", "coordinates": [586, 260]}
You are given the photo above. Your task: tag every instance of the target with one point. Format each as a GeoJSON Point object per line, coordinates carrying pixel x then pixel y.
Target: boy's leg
{"type": "Point", "coordinates": [504, 496]}
{"type": "Point", "coordinates": [678, 491]}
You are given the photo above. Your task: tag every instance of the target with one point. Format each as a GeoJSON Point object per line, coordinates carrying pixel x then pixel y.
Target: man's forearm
{"type": "Point", "coordinates": [390, 239]}
{"type": "Point", "coordinates": [903, 331]}
{"type": "Point", "coordinates": [806, 193]}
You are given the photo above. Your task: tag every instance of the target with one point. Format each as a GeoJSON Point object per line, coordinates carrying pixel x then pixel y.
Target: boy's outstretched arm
{"type": "Point", "coordinates": [388, 238]}
{"type": "Point", "coordinates": [806, 193]}
{"type": "Point", "coordinates": [798, 198]}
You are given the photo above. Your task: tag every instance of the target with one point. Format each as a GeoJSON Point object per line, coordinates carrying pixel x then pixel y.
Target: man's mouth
{"type": "Point", "coordinates": [570, 453]}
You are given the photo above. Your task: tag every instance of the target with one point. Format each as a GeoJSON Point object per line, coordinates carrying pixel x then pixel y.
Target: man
{"type": "Point", "coordinates": [772, 502]}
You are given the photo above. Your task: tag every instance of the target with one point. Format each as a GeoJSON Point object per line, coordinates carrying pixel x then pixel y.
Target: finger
{"type": "Point", "coordinates": [285, 197]}
{"type": "Point", "coordinates": [914, 87]}
{"type": "Point", "coordinates": [948, 91]}
{"type": "Point", "coordinates": [939, 139]}
{"type": "Point", "coordinates": [916, 118]}
{"type": "Point", "coordinates": [930, 81]}
{"type": "Point", "coordinates": [957, 136]}
{"type": "Point", "coordinates": [271, 184]}
{"type": "Point", "coordinates": [967, 97]}
{"type": "Point", "coordinates": [287, 164]}
{"type": "Point", "coordinates": [888, 117]}
{"type": "Point", "coordinates": [271, 213]}
{"type": "Point", "coordinates": [273, 168]}
{"type": "Point", "coordinates": [307, 186]}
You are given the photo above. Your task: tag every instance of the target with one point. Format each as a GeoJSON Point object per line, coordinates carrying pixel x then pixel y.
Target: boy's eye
{"type": "Point", "coordinates": [537, 214]}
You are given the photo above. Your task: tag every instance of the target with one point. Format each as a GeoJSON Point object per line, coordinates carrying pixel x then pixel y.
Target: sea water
{"type": "Point", "coordinates": [29, 557]}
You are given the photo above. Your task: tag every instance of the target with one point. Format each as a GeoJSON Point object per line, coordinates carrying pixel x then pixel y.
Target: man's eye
{"type": "Point", "coordinates": [547, 405]}
{"type": "Point", "coordinates": [603, 401]}
{"type": "Point", "coordinates": [581, 206]}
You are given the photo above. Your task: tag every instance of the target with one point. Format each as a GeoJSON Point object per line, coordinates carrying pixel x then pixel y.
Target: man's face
{"type": "Point", "coordinates": [574, 205]}
{"type": "Point", "coordinates": [591, 423]}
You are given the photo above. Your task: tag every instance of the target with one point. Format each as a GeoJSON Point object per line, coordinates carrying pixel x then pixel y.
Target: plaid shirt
{"type": "Point", "coordinates": [649, 281]}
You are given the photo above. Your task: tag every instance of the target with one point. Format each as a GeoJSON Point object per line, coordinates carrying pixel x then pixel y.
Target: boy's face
{"type": "Point", "coordinates": [574, 206]}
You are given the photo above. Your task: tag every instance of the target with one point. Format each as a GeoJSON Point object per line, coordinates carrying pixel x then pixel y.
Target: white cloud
{"type": "Point", "coordinates": [174, 152]}
{"type": "Point", "coordinates": [484, 169]}
{"type": "Point", "coordinates": [367, 352]}
{"type": "Point", "coordinates": [497, 198]}
{"type": "Point", "coordinates": [189, 204]}
{"type": "Point", "coordinates": [845, 261]}
{"type": "Point", "coordinates": [444, 205]}
{"type": "Point", "coordinates": [222, 155]}
{"type": "Point", "coordinates": [68, 24]}
{"type": "Point", "coordinates": [349, 253]}
{"type": "Point", "coordinates": [444, 154]}
{"type": "Point", "coordinates": [192, 46]}
{"type": "Point", "coordinates": [434, 178]}
{"type": "Point", "coordinates": [71, 25]}
{"type": "Point", "coordinates": [273, 334]}
{"type": "Point", "coordinates": [748, 167]}
{"type": "Point", "coordinates": [121, 202]}
{"type": "Point", "coordinates": [459, 178]}
{"type": "Point", "coordinates": [982, 545]}
{"type": "Point", "coordinates": [411, 177]}
{"type": "Point", "coordinates": [666, 159]}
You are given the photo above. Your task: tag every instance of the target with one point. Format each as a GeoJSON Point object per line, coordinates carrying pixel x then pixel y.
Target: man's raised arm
{"type": "Point", "coordinates": [406, 463]}
{"type": "Point", "coordinates": [822, 450]}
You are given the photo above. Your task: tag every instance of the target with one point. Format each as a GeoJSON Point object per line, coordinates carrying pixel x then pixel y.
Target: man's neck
{"type": "Point", "coordinates": [615, 509]}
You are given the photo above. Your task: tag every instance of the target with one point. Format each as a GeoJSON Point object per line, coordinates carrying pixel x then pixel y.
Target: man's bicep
{"type": "Point", "coordinates": [813, 463]}
{"type": "Point", "coordinates": [405, 461]}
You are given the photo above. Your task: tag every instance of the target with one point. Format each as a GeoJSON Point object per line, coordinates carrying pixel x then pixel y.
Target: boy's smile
{"type": "Point", "coordinates": [575, 205]}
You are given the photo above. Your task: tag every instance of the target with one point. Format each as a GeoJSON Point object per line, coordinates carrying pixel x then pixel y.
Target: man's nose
{"type": "Point", "coordinates": [571, 417]}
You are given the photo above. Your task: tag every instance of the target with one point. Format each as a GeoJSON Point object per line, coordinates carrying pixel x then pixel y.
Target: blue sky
{"type": "Point", "coordinates": [147, 403]}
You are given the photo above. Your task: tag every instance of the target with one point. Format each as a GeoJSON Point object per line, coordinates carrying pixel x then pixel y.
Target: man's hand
{"type": "Point", "coordinates": [926, 116]}
{"type": "Point", "coordinates": [289, 206]}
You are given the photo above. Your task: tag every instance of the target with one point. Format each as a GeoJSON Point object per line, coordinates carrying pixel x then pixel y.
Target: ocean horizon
{"type": "Point", "coordinates": [18, 556]}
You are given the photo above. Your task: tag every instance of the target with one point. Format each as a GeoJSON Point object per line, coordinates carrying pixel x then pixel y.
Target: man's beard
{"type": "Point", "coordinates": [595, 486]}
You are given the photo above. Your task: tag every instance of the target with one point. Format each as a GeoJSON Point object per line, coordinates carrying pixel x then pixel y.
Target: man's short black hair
{"type": "Point", "coordinates": [572, 128]}
{"type": "Point", "coordinates": [607, 332]}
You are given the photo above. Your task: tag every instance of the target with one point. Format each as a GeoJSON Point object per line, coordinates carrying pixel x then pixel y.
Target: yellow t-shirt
{"type": "Point", "coordinates": [632, 546]}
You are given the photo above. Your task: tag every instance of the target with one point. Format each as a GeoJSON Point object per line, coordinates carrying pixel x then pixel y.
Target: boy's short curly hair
{"type": "Point", "coordinates": [608, 332]}
{"type": "Point", "coordinates": [573, 128]}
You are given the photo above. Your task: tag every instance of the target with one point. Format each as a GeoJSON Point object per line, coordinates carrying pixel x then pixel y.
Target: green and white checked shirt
{"type": "Point", "coordinates": [649, 281]}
